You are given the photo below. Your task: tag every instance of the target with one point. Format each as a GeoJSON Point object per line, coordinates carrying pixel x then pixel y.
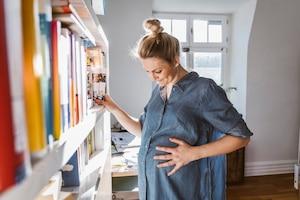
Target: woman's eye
{"type": "Point", "coordinates": [158, 72]}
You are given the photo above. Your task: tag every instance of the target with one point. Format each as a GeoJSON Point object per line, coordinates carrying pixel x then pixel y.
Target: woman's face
{"type": "Point", "coordinates": [159, 70]}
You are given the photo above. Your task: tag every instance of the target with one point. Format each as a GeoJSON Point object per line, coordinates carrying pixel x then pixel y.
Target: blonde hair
{"type": "Point", "coordinates": [156, 43]}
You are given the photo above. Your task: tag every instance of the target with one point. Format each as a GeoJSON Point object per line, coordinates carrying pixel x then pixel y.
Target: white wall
{"type": "Point", "coordinates": [130, 86]}
{"type": "Point", "coordinates": [241, 24]}
{"type": "Point", "coordinates": [273, 82]}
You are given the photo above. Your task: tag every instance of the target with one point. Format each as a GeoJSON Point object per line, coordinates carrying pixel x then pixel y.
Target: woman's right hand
{"type": "Point", "coordinates": [131, 124]}
{"type": "Point", "coordinates": [107, 102]}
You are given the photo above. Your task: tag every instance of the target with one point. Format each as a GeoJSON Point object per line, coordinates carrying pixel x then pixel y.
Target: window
{"type": "Point", "coordinates": [203, 39]}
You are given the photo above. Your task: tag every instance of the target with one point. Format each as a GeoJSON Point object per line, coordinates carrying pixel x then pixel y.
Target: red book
{"type": "Point", "coordinates": [67, 8]}
{"type": "Point", "coordinates": [7, 177]}
{"type": "Point", "coordinates": [12, 167]}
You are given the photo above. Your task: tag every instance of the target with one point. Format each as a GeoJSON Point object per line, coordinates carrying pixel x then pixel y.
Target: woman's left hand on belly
{"type": "Point", "coordinates": [178, 156]}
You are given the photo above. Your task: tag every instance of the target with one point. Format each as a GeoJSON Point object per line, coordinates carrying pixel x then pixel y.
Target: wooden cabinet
{"type": "Point", "coordinates": [236, 166]}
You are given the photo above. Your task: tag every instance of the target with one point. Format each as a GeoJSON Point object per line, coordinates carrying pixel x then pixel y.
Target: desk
{"type": "Point", "coordinates": [124, 167]}
{"type": "Point", "coordinates": [125, 164]}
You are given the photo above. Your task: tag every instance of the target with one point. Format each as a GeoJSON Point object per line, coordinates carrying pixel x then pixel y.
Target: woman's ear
{"type": "Point", "coordinates": [177, 61]}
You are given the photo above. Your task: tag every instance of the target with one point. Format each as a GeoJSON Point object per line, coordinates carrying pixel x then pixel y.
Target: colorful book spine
{"type": "Point", "coordinates": [14, 153]}
{"type": "Point", "coordinates": [14, 39]}
{"type": "Point", "coordinates": [91, 142]}
{"type": "Point", "coordinates": [71, 171]}
{"type": "Point", "coordinates": [7, 152]}
{"type": "Point", "coordinates": [33, 69]}
{"type": "Point", "coordinates": [78, 66]}
{"type": "Point", "coordinates": [56, 33]}
{"type": "Point", "coordinates": [84, 74]}
{"type": "Point", "coordinates": [64, 78]}
{"type": "Point", "coordinates": [73, 86]}
{"type": "Point", "coordinates": [45, 17]}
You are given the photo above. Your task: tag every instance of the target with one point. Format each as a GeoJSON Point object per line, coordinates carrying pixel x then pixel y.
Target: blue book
{"type": "Point", "coordinates": [46, 79]}
{"type": "Point", "coordinates": [70, 172]}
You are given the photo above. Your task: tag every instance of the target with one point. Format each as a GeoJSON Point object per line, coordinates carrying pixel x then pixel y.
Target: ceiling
{"type": "Point", "coordinates": [197, 6]}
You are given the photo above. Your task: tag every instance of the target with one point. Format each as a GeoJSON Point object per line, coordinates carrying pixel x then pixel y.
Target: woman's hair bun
{"type": "Point", "coordinates": [153, 25]}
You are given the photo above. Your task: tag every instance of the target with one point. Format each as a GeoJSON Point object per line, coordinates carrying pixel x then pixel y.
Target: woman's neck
{"type": "Point", "coordinates": [180, 73]}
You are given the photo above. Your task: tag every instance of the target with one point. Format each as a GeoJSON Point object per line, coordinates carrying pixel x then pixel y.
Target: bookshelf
{"type": "Point", "coordinates": [96, 175]}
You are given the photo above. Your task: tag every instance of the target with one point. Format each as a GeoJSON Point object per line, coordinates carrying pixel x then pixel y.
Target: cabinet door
{"type": "Point", "coordinates": [236, 166]}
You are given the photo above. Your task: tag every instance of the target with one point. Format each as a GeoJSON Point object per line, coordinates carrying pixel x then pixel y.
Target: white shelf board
{"type": "Point", "coordinates": [90, 19]}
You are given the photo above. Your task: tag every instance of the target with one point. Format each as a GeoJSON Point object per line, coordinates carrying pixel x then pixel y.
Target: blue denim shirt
{"type": "Point", "coordinates": [197, 112]}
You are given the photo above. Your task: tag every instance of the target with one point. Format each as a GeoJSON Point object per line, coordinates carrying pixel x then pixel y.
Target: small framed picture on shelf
{"type": "Point", "coordinates": [96, 83]}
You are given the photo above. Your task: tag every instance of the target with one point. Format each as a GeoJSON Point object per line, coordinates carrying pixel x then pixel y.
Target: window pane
{"type": "Point", "coordinates": [207, 31]}
{"type": "Point", "coordinates": [208, 64]}
{"type": "Point", "coordinates": [179, 29]}
{"type": "Point", "coordinates": [175, 27]}
{"type": "Point", "coordinates": [215, 31]}
{"type": "Point", "coordinates": [200, 31]}
{"type": "Point", "coordinates": [167, 24]}
{"type": "Point", "coordinates": [183, 59]}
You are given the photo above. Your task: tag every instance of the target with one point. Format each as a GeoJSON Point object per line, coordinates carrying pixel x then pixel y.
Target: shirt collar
{"type": "Point", "coordinates": [183, 83]}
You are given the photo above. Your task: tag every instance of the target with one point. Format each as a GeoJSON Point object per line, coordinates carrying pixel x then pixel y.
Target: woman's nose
{"type": "Point", "coordinates": [152, 76]}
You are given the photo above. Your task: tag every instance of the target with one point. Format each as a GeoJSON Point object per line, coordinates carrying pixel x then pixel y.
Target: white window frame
{"type": "Point", "coordinates": [222, 18]}
{"type": "Point", "coordinates": [201, 47]}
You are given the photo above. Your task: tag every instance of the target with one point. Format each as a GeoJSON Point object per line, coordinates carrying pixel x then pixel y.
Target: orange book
{"type": "Point", "coordinates": [56, 33]}
{"type": "Point", "coordinates": [33, 69]}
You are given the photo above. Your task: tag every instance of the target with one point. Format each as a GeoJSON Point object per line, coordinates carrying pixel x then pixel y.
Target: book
{"type": "Point", "coordinates": [84, 81]}
{"type": "Point", "coordinates": [70, 172]}
{"type": "Point", "coordinates": [63, 8]}
{"type": "Point", "coordinates": [45, 17]}
{"type": "Point", "coordinates": [59, 2]}
{"type": "Point", "coordinates": [91, 140]}
{"type": "Point", "coordinates": [73, 86]}
{"type": "Point", "coordinates": [56, 33]}
{"type": "Point", "coordinates": [32, 72]}
{"type": "Point", "coordinates": [79, 78]}
{"type": "Point", "coordinates": [7, 151]}
{"type": "Point", "coordinates": [15, 49]}
{"type": "Point", "coordinates": [65, 78]}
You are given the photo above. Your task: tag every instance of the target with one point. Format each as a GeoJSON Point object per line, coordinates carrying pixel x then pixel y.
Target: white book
{"type": "Point", "coordinates": [64, 77]}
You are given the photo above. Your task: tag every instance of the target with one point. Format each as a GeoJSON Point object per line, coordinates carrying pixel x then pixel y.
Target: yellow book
{"type": "Point", "coordinates": [33, 69]}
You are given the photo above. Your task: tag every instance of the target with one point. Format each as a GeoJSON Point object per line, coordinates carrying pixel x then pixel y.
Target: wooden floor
{"type": "Point", "coordinates": [272, 187]}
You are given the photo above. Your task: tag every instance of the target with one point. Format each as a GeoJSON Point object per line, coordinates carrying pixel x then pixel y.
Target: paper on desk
{"type": "Point", "coordinates": [124, 140]}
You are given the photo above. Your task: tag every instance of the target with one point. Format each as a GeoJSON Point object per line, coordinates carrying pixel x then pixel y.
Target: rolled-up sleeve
{"type": "Point", "coordinates": [219, 112]}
